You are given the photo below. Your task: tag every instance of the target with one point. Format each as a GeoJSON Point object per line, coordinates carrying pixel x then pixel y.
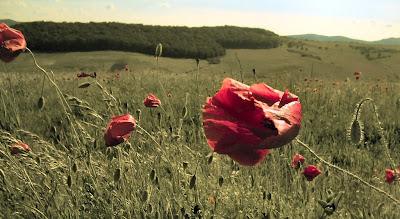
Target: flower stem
{"type": "Point", "coordinates": [64, 102]}
{"type": "Point", "coordinates": [396, 201]}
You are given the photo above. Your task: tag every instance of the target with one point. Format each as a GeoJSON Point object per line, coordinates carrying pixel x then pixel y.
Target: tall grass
{"type": "Point", "coordinates": [166, 169]}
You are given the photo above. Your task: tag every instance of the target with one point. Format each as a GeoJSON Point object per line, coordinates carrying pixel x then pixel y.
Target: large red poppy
{"type": "Point", "coordinates": [152, 101]}
{"type": "Point", "coordinates": [245, 121]}
{"type": "Point", "coordinates": [119, 129]}
{"type": "Point", "coordinates": [12, 43]}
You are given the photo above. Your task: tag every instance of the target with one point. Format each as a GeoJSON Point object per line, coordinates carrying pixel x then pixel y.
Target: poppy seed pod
{"type": "Point", "coordinates": [244, 121]}
{"type": "Point", "coordinates": [12, 43]}
{"type": "Point", "coordinates": [119, 129]}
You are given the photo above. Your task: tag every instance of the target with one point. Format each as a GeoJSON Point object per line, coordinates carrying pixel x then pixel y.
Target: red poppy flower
{"type": "Point", "coordinates": [82, 75]}
{"type": "Point", "coordinates": [12, 43]}
{"type": "Point", "coordinates": [390, 175]}
{"type": "Point", "coordinates": [310, 172]}
{"type": "Point", "coordinates": [245, 121]}
{"type": "Point", "coordinates": [119, 129]}
{"type": "Point", "coordinates": [297, 160]}
{"type": "Point", "coordinates": [19, 147]}
{"type": "Point", "coordinates": [152, 101]}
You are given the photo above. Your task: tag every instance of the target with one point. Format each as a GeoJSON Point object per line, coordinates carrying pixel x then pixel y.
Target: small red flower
{"type": "Point", "coordinates": [119, 129]}
{"type": "Point", "coordinates": [357, 73]}
{"type": "Point", "coordinates": [390, 175]}
{"type": "Point", "coordinates": [297, 161]}
{"type": "Point", "coordinates": [310, 172]}
{"type": "Point", "coordinates": [357, 77]}
{"type": "Point", "coordinates": [12, 43]}
{"type": "Point", "coordinates": [152, 101]}
{"type": "Point", "coordinates": [244, 121]}
{"type": "Point", "coordinates": [19, 147]}
{"type": "Point", "coordinates": [82, 75]}
{"type": "Point", "coordinates": [126, 68]}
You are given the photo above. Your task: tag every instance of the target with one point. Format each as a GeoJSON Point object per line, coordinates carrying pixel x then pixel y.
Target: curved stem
{"type": "Point", "coordinates": [396, 201]}
{"type": "Point", "coordinates": [380, 128]}
{"type": "Point", "coordinates": [64, 102]}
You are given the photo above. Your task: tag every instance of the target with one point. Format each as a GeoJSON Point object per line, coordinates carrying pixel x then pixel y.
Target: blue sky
{"type": "Point", "coordinates": [367, 20]}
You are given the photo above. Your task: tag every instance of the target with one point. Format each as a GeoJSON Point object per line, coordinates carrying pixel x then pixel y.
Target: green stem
{"type": "Point", "coordinates": [44, 77]}
{"type": "Point", "coordinates": [380, 128]}
{"type": "Point", "coordinates": [64, 102]}
{"type": "Point", "coordinates": [396, 201]}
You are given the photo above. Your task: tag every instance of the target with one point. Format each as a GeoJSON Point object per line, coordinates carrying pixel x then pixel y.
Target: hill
{"type": "Point", "coordinates": [322, 38]}
{"type": "Point", "coordinates": [388, 41]}
{"type": "Point", "coordinates": [177, 41]}
{"type": "Point", "coordinates": [9, 22]}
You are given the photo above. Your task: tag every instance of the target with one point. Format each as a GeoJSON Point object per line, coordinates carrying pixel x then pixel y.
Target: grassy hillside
{"type": "Point", "coordinates": [322, 38]}
{"type": "Point", "coordinates": [336, 62]}
{"type": "Point", "coordinates": [168, 171]}
{"type": "Point", "coordinates": [389, 41]}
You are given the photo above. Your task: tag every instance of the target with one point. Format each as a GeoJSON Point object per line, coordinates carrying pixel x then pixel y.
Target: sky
{"type": "Point", "coordinates": [359, 19]}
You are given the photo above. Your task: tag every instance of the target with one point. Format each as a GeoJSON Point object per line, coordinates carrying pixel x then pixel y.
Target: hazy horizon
{"type": "Point", "coordinates": [355, 19]}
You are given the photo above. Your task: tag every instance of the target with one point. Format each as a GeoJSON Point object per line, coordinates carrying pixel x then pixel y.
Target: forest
{"type": "Point", "coordinates": [177, 41]}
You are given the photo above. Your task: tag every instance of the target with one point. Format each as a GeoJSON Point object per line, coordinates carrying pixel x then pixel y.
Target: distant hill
{"type": "Point", "coordinates": [177, 41]}
{"type": "Point", "coordinates": [9, 22]}
{"type": "Point", "coordinates": [322, 38]}
{"type": "Point", "coordinates": [388, 41]}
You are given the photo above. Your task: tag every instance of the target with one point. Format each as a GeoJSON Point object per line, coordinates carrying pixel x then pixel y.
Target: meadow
{"type": "Point", "coordinates": [166, 169]}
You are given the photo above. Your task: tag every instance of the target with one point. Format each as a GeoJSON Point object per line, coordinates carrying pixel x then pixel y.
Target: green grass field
{"type": "Point", "coordinates": [169, 172]}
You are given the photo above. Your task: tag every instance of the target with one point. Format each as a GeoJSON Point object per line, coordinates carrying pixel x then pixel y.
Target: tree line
{"type": "Point", "coordinates": [177, 41]}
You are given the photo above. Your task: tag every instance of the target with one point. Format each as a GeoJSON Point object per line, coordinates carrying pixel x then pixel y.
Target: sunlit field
{"type": "Point", "coordinates": [166, 168]}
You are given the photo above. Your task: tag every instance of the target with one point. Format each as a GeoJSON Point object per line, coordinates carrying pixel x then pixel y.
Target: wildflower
{"type": "Point", "coordinates": [297, 161]}
{"type": "Point", "coordinates": [152, 101]}
{"type": "Point", "coordinates": [82, 75]}
{"type": "Point", "coordinates": [310, 172]}
{"type": "Point", "coordinates": [12, 43]}
{"type": "Point", "coordinates": [119, 129]}
{"type": "Point", "coordinates": [244, 121]}
{"type": "Point", "coordinates": [19, 147]}
{"type": "Point", "coordinates": [390, 175]}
